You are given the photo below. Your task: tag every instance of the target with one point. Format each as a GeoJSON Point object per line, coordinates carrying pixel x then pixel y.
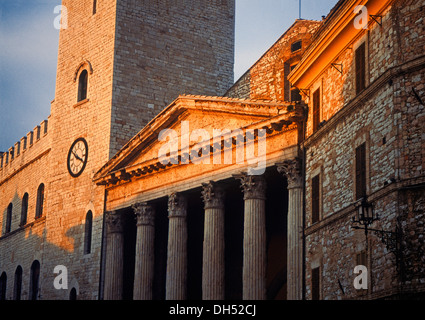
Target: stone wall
{"type": "Point", "coordinates": [389, 118]}
{"type": "Point", "coordinates": [266, 79]}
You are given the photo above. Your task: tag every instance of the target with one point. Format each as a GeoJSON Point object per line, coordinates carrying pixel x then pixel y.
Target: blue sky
{"type": "Point", "coordinates": [29, 45]}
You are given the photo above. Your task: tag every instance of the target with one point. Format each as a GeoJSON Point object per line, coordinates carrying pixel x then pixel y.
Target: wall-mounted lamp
{"type": "Point", "coordinates": [365, 216]}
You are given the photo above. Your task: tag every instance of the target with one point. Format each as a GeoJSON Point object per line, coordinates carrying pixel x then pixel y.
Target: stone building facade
{"type": "Point", "coordinates": [195, 188]}
{"type": "Point", "coordinates": [384, 114]}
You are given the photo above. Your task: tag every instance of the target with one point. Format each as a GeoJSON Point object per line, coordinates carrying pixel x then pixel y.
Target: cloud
{"type": "Point", "coordinates": [28, 55]}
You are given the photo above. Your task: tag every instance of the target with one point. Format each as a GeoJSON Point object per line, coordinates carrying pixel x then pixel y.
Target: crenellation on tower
{"type": "Point", "coordinates": [9, 159]}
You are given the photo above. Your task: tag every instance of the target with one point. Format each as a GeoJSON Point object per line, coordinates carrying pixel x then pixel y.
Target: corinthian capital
{"type": "Point", "coordinates": [114, 222]}
{"type": "Point", "coordinates": [145, 214]}
{"type": "Point", "coordinates": [212, 195]}
{"type": "Point", "coordinates": [177, 205]}
{"type": "Point", "coordinates": [254, 187]}
{"type": "Point", "coordinates": [292, 170]}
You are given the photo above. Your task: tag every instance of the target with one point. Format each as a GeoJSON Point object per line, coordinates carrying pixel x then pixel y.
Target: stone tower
{"type": "Point", "coordinates": [119, 64]}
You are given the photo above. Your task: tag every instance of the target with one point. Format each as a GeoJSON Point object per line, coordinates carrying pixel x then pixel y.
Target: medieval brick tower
{"type": "Point", "coordinates": [119, 64]}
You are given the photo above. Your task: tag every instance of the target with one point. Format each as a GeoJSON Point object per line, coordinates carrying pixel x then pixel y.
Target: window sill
{"type": "Point", "coordinates": [21, 228]}
{"type": "Point", "coordinates": [80, 103]}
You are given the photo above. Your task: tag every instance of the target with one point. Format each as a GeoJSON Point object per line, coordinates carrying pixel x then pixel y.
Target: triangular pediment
{"type": "Point", "coordinates": [188, 121]}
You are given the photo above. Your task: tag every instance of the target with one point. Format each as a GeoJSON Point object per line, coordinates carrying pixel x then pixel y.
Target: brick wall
{"type": "Point", "coordinates": [167, 48]}
{"type": "Point", "coordinates": [24, 174]}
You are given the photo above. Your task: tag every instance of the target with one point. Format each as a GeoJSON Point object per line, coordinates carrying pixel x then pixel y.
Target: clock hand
{"type": "Point", "coordinates": [76, 156]}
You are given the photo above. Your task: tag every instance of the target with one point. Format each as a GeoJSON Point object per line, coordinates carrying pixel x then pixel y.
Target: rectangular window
{"type": "Point", "coordinates": [315, 199]}
{"type": "Point", "coordinates": [360, 68]}
{"type": "Point", "coordinates": [361, 171]}
{"type": "Point", "coordinates": [295, 92]}
{"type": "Point", "coordinates": [94, 6]}
{"type": "Point", "coordinates": [315, 283]}
{"type": "Point", "coordinates": [296, 46]}
{"type": "Point", "coordinates": [316, 110]}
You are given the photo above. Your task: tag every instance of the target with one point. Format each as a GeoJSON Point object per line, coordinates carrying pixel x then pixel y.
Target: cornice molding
{"type": "Point", "coordinates": [336, 35]}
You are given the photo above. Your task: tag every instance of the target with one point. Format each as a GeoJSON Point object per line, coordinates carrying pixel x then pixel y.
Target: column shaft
{"type": "Point", "coordinates": [144, 264]}
{"type": "Point", "coordinates": [292, 170]}
{"type": "Point", "coordinates": [213, 249]}
{"type": "Point", "coordinates": [177, 249]}
{"type": "Point", "coordinates": [114, 257]}
{"type": "Point", "coordinates": [295, 245]}
{"type": "Point", "coordinates": [254, 248]}
{"type": "Point", "coordinates": [254, 242]}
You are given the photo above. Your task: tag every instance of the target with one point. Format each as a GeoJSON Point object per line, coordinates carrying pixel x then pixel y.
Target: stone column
{"type": "Point", "coordinates": [292, 170]}
{"type": "Point", "coordinates": [144, 265]}
{"type": "Point", "coordinates": [254, 242]}
{"type": "Point", "coordinates": [114, 257]}
{"type": "Point", "coordinates": [213, 251]}
{"type": "Point", "coordinates": [177, 248]}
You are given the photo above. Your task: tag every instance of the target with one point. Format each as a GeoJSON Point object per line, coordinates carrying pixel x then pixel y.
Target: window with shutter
{"type": "Point", "coordinates": [316, 110]}
{"type": "Point", "coordinates": [295, 92]}
{"type": "Point", "coordinates": [315, 283]}
{"type": "Point", "coordinates": [315, 201]}
{"type": "Point", "coordinates": [361, 171]}
{"type": "Point", "coordinates": [360, 68]}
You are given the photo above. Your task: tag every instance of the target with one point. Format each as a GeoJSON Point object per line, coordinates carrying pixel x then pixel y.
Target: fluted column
{"type": "Point", "coordinates": [114, 257]}
{"type": "Point", "coordinates": [177, 248]}
{"type": "Point", "coordinates": [292, 170]}
{"type": "Point", "coordinates": [144, 265]}
{"type": "Point", "coordinates": [213, 250]}
{"type": "Point", "coordinates": [254, 242]}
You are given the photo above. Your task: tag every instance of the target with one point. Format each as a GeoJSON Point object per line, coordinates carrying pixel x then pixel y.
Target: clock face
{"type": "Point", "coordinates": [77, 157]}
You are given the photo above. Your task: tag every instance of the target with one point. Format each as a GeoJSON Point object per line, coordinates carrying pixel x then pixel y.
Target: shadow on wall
{"type": "Point", "coordinates": [28, 258]}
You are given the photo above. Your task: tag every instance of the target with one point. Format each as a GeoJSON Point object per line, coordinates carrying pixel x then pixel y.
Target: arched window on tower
{"type": "Point", "coordinates": [17, 287]}
{"type": "Point", "coordinates": [3, 283]}
{"type": "Point", "coordinates": [9, 218]}
{"type": "Point", "coordinates": [88, 232]}
{"type": "Point", "coordinates": [40, 202]}
{"type": "Point", "coordinates": [73, 294]}
{"type": "Point", "coordinates": [34, 280]}
{"type": "Point", "coordinates": [82, 85]}
{"type": "Point", "coordinates": [24, 210]}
